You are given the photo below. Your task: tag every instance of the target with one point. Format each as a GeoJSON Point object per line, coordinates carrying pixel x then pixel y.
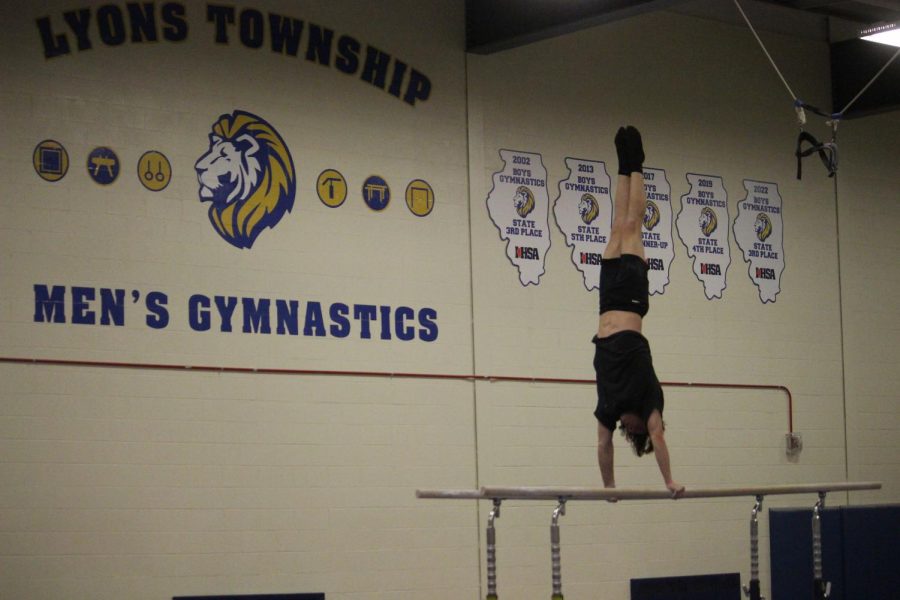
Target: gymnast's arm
{"type": "Point", "coordinates": [605, 455]}
{"type": "Point", "coordinates": [661, 450]}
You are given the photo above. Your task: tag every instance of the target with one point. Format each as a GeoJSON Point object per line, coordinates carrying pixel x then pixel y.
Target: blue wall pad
{"type": "Point", "coordinates": [871, 562]}
{"type": "Point", "coordinates": [790, 551]}
{"type": "Point", "coordinates": [721, 586]}
{"type": "Point", "coordinates": [858, 552]}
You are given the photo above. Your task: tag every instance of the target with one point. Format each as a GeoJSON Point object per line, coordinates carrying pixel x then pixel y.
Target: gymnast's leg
{"type": "Point", "coordinates": [632, 234]}
{"type": "Point", "coordinates": [620, 200]}
{"type": "Point", "coordinates": [630, 200]}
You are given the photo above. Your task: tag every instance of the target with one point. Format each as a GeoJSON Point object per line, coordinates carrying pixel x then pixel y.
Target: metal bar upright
{"type": "Point", "coordinates": [751, 590]}
{"type": "Point", "coordinates": [556, 563]}
{"type": "Point", "coordinates": [821, 588]}
{"type": "Point", "coordinates": [492, 552]}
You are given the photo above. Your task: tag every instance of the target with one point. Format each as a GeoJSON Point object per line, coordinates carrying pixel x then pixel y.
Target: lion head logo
{"type": "Point", "coordinates": [523, 201]}
{"type": "Point", "coordinates": [651, 215]}
{"type": "Point", "coordinates": [763, 226]}
{"type": "Point", "coordinates": [248, 177]}
{"type": "Point", "coordinates": [708, 221]}
{"type": "Point", "coordinates": [588, 208]}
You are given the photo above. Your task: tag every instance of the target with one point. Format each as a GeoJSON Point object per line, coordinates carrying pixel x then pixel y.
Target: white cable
{"type": "Point", "coordinates": [763, 46]}
{"type": "Point", "coordinates": [896, 54]}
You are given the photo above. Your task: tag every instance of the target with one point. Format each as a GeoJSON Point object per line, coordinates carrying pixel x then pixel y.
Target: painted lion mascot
{"type": "Point", "coordinates": [763, 226]}
{"type": "Point", "coordinates": [651, 215]}
{"type": "Point", "coordinates": [523, 201]}
{"type": "Point", "coordinates": [248, 177]}
{"type": "Point", "coordinates": [708, 221]}
{"type": "Point", "coordinates": [588, 208]}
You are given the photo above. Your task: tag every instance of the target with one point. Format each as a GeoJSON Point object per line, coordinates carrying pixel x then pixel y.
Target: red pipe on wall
{"type": "Point", "coordinates": [271, 371]}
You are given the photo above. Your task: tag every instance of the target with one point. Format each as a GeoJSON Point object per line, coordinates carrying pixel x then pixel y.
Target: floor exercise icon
{"type": "Point", "coordinates": [51, 161]}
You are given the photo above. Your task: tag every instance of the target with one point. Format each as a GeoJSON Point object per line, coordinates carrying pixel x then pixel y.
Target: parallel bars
{"type": "Point", "coordinates": [564, 494]}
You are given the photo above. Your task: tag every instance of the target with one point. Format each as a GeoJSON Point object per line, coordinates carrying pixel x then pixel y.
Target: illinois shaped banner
{"type": "Point", "coordinates": [758, 231]}
{"type": "Point", "coordinates": [657, 229]}
{"type": "Point", "coordinates": [703, 229]}
{"type": "Point", "coordinates": [583, 212]}
{"type": "Point", "coordinates": [518, 205]}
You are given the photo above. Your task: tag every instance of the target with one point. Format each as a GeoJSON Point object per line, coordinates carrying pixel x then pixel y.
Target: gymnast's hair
{"type": "Point", "coordinates": [640, 442]}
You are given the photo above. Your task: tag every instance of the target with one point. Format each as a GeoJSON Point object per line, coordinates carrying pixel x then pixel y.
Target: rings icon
{"type": "Point", "coordinates": [154, 170]}
{"type": "Point", "coordinates": [51, 161]}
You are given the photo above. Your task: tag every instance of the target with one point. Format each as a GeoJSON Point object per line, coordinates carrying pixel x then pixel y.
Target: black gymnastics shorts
{"type": "Point", "coordinates": [626, 380]}
{"type": "Point", "coordinates": [624, 284]}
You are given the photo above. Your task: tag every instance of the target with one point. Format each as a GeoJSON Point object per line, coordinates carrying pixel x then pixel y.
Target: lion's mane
{"type": "Point", "coordinates": [763, 226]}
{"type": "Point", "coordinates": [651, 215]}
{"type": "Point", "coordinates": [263, 200]}
{"type": "Point", "coordinates": [708, 221]}
{"type": "Point", "coordinates": [588, 208]}
{"type": "Point", "coordinates": [527, 206]}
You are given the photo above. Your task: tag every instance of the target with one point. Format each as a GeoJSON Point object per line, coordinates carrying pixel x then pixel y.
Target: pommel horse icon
{"type": "Point", "coordinates": [103, 163]}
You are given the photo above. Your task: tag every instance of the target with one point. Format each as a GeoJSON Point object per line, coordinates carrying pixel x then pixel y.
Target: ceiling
{"type": "Point", "coordinates": [864, 11]}
{"type": "Point", "coordinates": [496, 25]}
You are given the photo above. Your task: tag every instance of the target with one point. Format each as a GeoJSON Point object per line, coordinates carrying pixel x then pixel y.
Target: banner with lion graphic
{"type": "Point", "coordinates": [758, 231]}
{"type": "Point", "coordinates": [583, 212]}
{"type": "Point", "coordinates": [518, 204]}
{"type": "Point", "coordinates": [703, 228]}
{"type": "Point", "coordinates": [656, 232]}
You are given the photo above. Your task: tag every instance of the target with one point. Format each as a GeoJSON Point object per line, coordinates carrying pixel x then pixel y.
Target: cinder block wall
{"type": "Point", "coordinates": [867, 209]}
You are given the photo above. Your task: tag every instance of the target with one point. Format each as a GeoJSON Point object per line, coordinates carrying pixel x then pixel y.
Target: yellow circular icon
{"type": "Point", "coordinates": [154, 170]}
{"type": "Point", "coordinates": [332, 188]}
{"type": "Point", "coordinates": [51, 161]}
{"type": "Point", "coordinates": [419, 197]}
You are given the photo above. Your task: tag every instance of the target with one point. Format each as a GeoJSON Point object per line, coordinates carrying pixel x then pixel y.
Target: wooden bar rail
{"type": "Point", "coordinates": [586, 493]}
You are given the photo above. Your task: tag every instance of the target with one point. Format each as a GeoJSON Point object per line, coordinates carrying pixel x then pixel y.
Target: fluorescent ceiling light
{"type": "Point", "coordinates": [883, 34]}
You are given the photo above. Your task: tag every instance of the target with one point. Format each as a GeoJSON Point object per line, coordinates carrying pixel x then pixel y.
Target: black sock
{"type": "Point", "coordinates": [622, 152]}
{"type": "Point", "coordinates": [634, 148]}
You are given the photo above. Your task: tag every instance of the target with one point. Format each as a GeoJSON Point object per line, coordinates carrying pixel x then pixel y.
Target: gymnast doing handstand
{"type": "Point", "coordinates": [628, 390]}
